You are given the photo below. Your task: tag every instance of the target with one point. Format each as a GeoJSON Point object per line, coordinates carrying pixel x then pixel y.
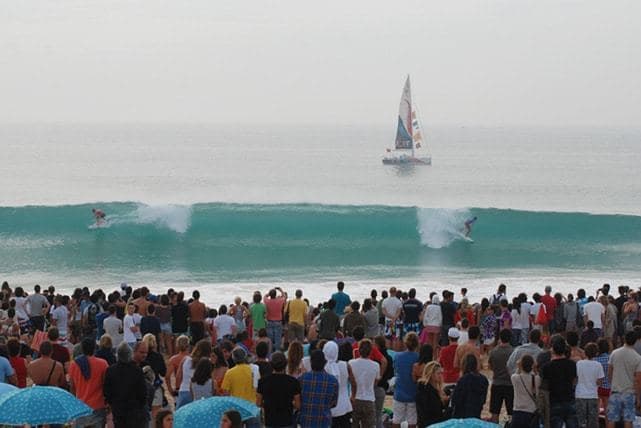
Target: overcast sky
{"type": "Point", "coordinates": [472, 62]}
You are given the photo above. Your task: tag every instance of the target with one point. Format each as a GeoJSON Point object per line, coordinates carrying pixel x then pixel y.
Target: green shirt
{"type": "Point", "coordinates": [258, 311]}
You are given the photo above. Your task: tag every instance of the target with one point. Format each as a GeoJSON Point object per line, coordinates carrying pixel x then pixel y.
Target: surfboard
{"type": "Point", "coordinates": [466, 238]}
{"type": "Point", "coordinates": [104, 225]}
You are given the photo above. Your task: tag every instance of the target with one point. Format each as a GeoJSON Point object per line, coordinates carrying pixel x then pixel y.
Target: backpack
{"type": "Point", "coordinates": [541, 315]}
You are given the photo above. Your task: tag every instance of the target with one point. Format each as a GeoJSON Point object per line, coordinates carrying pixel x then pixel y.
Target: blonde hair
{"type": "Point", "coordinates": [182, 343]}
{"type": "Point", "coordinates": [150, 340]}
{"type": "Point", "coordinates": [106, 341]}
{"type": "Point", "coordinates": [428, 371]}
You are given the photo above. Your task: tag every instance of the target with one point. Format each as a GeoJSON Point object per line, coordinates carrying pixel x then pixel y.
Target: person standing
{"type": "Point", "coordinates": [45, 371]}
{"type": "Point", "coordinates": [341, 298]}
{"type": "Point", "coordinates": [197, 313]}
{"type": "Point", "coordinates": [430, 396]}
{"type": "Point", "coordinates": [405, 387]}
{"type": "Point", "coordinates": [257, 311]}
{"type": "Point", "coordinates": [329, 322]}
{"type": "Point", "coordinates": [595, 312]}
{"type": "Point", "coordinates": [526, 386]}
{"type": "Point", "coordinates": [560, 376]}
{"type": "Point", "coordinates": [342, 412]}
{"type": "Point", "coordinates": [502, 390]}
{"type": "Point", "coordinates": [275, 306]}
{"type": "Point", "coordinates": [365, 373]}
{"type": "Point", "coordinates": [624, 374]}
{"type": "Point", "coordinates": [113, 327]}
{"type": "Point", "coordinates": [296, 311]}
{"type": "Point", "coordinates": [590, 377]}
{"type": "Point", "coordinates": [412, 308]}
{"type": "Point", "coordinates": [39, 307]}
{"type": "Point", "coordinates": [87, 378]}
{"type": "Point", "coordinates": [125, 391]}
{"type": "Point", "coordinates": [278, 394]}
{"type": "Point", "coordinates": [319, 394]}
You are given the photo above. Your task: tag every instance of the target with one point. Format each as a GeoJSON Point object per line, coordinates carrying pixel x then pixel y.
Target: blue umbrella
{"type": "Point", "coordinates": [6, 387]}
{"type": "Point", "coordinates": [208, 412]}
{"type": "Point", "coordinates": [39, 405]}
{"type": "Point", "coordinates": [465, 423]}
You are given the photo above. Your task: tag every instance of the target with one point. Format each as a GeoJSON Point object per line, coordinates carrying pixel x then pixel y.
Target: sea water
{"type": "Point", "coordinates": [229, 209]}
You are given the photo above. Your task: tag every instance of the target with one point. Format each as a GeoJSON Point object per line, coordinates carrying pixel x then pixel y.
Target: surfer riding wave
{"type": "Point", "coordinates": [468, 226]}
{"type": "Point", "coordinates": [100, 216]}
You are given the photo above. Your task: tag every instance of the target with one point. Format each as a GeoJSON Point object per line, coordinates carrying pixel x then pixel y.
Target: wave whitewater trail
{"type": "Point", "coordinates": [240, 241]}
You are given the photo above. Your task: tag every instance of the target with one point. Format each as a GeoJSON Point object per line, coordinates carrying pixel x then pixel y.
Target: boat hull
{"type": "Point", "coordinates": [407, 160]}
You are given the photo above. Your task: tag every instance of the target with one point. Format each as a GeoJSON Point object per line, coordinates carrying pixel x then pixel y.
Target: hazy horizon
{"type": "Point", "coordinates": [493, 64]}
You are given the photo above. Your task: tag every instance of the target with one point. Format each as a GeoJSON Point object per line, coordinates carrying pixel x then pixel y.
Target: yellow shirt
{"type": "Point", "coordinates": [239, 383]}
{"type": "Point", "coordinates": [297, 311]}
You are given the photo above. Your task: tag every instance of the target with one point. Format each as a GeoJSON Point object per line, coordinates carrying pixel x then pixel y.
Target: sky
{"type": "Point", "coordinates": [487, 63]}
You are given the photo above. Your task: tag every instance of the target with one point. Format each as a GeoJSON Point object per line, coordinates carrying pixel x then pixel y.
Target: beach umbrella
{"type": "Point", "coordinates": [6, 387]}
{"type": "Point", "coordinates": [465, 423]}
{"type": "Point", "coordinates": [39, 405]}
{"type": "Point", "coordinates": [208, 412]}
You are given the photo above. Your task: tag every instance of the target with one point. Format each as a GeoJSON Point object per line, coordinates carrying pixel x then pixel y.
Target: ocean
{"type": "Point", "coordinates": [229, 209]}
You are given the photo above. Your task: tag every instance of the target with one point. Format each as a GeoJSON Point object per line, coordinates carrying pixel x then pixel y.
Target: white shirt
{"type": "Point", "coordinates": [224, 324]}
{"type": "Point", "coordinates": [521, 320]}
{"type": "Point", "coordinates": [128, 323]}
{"type": "Point", "coordinates": [188, 373]}
{"type": "Point", "coordinates": [588, 372]}
{"type": "Point", "coordinates": [113, 327]}
{"type": "Point", "coordinates": [433, 316]}
{"type": "Point", "coordinates": [366, 372]}
{"type": "Point", "coordinates": [21, 308]}
{"type": "Point", "coordinates": [594, 310]}
{"type": "Point", "coordinates": [61, 315]}
{"type": "Point", "coordinates": [393, 306]}
{"type": "Point", "coordinates": [137, 319]}
{"type": "Point", "coordinates": [463, 338]}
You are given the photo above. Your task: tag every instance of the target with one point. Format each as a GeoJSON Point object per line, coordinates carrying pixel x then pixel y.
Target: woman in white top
{"type": "Point", "coordinates": [526, 385]}
{"type": "Point", "coordinates": [339, 369]}
{"type": "Point", "coordinates": [432, 321]}
{"type": "Point", "coordinates": [189, 364]}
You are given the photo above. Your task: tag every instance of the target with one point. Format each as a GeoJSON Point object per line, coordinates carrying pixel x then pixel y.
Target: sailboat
{"type": "Point", "coordinates": [409, 147]}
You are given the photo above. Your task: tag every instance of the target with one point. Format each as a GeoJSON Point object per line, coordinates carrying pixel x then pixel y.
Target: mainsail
{"type": "Point", "coordinates": [404, 130]}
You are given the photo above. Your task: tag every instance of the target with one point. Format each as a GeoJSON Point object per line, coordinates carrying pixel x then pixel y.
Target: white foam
{"type": "Point", "coordinates": [174, 217]}
{"type": "Point", "coordinates": [439, 227]}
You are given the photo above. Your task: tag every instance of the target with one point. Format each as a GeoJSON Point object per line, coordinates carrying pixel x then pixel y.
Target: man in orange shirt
{"type": "Point", "coordinates": [87, 378]}
{"type": "Point", "coordinates": [197, 312]}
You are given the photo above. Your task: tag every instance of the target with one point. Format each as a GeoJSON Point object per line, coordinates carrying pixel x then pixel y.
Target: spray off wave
{"type": "Point", "coordinates": [235, 242]}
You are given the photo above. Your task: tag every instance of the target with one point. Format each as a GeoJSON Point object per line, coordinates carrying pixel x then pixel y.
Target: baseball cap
{"type": "Point", "coordinates": [453, 333]}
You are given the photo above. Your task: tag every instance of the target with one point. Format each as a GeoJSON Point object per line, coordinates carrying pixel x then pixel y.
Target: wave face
{"type": "Point", "coordinates": [259, 242]}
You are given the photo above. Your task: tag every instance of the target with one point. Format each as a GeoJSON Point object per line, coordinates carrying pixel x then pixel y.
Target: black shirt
{"type": "Point", "coordinates": [179, 314]}
{"type": "Point", "coordinates": [412, 309]}
{"type": "Point", "coordinates": [150, 324]}
{"type": "Point", "coordinates": [560, 376]}
{"type": "Point", "coordinates": [278, 391]}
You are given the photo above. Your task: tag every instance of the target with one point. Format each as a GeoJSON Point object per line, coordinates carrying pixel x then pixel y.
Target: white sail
{"type": "Point", "coordinates": [404, 128]}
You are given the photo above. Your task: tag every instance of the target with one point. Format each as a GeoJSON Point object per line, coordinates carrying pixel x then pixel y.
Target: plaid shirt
{"type": "Point", "coordinates": [319, 393]}
{"type": "Point", "coordinates": [604, 359]}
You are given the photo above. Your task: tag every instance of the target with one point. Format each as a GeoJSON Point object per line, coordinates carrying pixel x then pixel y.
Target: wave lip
{"type": "Point", "coordinates": [173, 217]}
{"type": "Point", "coordinates": [439, 227]}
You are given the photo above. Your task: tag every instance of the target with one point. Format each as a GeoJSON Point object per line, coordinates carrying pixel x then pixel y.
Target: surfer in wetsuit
{"type": "Point", "coordinates": [468, 225]}
{"type": "Point", "coordinates": [99, 215]}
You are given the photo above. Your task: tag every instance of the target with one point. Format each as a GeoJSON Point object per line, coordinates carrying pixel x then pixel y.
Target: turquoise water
{"type": "Point", "coordinates": [231, 208]}
{"type": "Point", "coordinates": [226, 242]}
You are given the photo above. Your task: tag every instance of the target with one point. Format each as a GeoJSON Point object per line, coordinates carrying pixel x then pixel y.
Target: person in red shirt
{"type": "Point", "coordinates": [18, 363]}
{"type": "Point", "coordinates": [275, 307]}
{"type": "Point", "coordinates": [450, 373]}
{"type": "Point", "coordinates": [550, 306]}
{"type": "Point", "coordinates": [87, 379]}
